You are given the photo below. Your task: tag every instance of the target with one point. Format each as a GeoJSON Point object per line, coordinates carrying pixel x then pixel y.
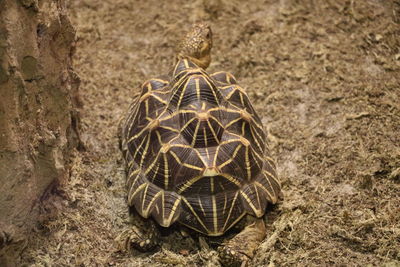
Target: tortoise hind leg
{"type": "Point", "coordinates": [240, 250]}
{"type": "Point", "coordinates": [143, 235]}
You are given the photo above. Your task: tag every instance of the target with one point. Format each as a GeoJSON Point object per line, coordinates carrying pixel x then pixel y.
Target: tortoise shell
{"type": "Point", "coordinates": [196, 152]}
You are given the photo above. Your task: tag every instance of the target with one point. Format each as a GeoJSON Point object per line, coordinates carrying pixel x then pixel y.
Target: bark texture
{"type": "Point", "coordinates": [38, 92]}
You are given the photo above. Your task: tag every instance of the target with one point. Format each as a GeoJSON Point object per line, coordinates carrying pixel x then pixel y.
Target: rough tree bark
{"type": "Point", "coordinates": [38, 92]}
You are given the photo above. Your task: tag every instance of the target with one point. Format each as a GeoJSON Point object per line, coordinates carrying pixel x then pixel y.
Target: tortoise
{"type": "Point", "coordinates": [196, 154]}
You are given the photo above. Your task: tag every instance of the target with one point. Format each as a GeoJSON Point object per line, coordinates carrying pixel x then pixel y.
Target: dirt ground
{"type": "Point", "coordinates": [325, 77]}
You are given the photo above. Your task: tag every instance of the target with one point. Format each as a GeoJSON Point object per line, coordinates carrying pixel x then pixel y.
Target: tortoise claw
{"type": "Point", "coordinates": [139, 239]}
{"type": "Point", "coordinates": [240, 250]}
{"type": "Point", "coordinates": [230, 256]}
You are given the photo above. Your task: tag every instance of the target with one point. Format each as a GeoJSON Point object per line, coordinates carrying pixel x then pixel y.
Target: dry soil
{"type": "Point", "coordinates": [325, 77]}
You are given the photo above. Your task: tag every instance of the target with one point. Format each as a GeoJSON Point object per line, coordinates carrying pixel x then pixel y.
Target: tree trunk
{"type": "Point", "coordinates": [38, 92]}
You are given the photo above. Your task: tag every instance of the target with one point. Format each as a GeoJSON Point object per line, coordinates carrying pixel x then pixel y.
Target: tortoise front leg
{"type": "Point", "coordinates": [143, 235]}
{"type": "Point", "coordinates": [240, 250]}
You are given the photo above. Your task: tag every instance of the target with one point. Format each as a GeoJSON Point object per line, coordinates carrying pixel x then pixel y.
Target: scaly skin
{"type": "Point", "coordinates": [197, 45]}
{"type": "Point", "coordinates": [240, 250]}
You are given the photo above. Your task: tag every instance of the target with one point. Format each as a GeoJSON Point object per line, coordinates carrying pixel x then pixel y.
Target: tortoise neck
{"type": "Point", "coordinates": [202, 62]}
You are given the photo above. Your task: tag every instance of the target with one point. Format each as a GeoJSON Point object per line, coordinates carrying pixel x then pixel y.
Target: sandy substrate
{"type": "Point", "coordinates": [325, 77]}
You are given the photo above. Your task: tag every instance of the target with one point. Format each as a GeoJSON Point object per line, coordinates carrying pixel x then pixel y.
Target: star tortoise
{"type": "Point", "coordinates": [196, 152]}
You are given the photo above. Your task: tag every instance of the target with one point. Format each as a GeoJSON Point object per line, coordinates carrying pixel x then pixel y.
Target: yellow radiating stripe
{"type": "Point", "coordinates": [146, 103]}
{"type": "Point", "coordinates": [269, 174]}
{"type": "Point", "coordinates": [232, 122]}
{"type": "Point", "coordinates": [134, 106]}
{"type": "Point", "coordinates": [181, 145]}
{"type": "Point", "coordinates": [270, 160]}
{"type": "Point", "coordinates": [212, 184]}
{"type": "Point", "coordinates": [231, 92]}
{"type": "Point", "coordinates": [222, 187]}
{"type": "Point", "coordinates": [183, 93]}
{"type": "Point", "coordinates": [157, 209]}
{"type": "Point", "coordinates": [162, 91]}
{"type": "Point", "coordinates": [146, 212]}
{"type": "Point", "coordinates": [231, 209]}
{"type": "Point", "coordinates": [162, 204]}
{"type": "Point", "coordinates": [173, 210]}
{"type": "Point", "coordinates": [189, 183]}
{"type": "Point", "coordinates": [241, 89]}
{"type": "Point", "coordinates": [148, 85]}
{"type": "Point", "coordinates": [152, 164]}
{"type": "Point", "coordinates": [247, 160]}
{"type": "Point", "coordinates": [138, 134]}
{"type": "Point", "coordinates": [159, 99]}
{"type": "Point", "coordinates": [258, 196]}
{"type": "Point", "coordinates": [198, 88]}
{"type": "Point", "coordinates": [139, 147]}
{"type": "Point", "coordinates": [243, 127]}
{"type": "Point", "coordinates": [218, 72]}
{"type": "Point", "coordinates": [213, 132]}
{"type": "Point", "coordinates": [135, 172]}
{"type": "Point", "coordinates": [229, 76]}
{"type": "Point", "coordinates": [130, 121]}
{"type": "Point", "coordinates": [199, 155]}
{"type": "Point", "coordinates": [169, 128]}
{"type": "Point", "coordinates": [201, 206]}
{"type": "Point", "coordinates": [217, 108]}
{"type": "Point", "coordinates": [190, 166]}
{"type": "Point", "coordinates": [194, 213]}
{"type": "Point", "coordinates": [241, 99]}
{"type": "Point", "coordinates": [144, 197]}
{"type": "Point", "coordinates": [231, 179]}
{"type": "Point", "coordinates": [145, 96]}
{"type": "Point", "coordinates": [216, 155]}
{"type": "Point", "coordinates": [195, 134]}
{"type": "Point", "coordinates": [207, 153]}
{"type": "Point", "coordinates": [185, 110]}
{"type": "Point", "coordinates": [225, 200]}
{"type": "Point", "coordinates": [273, 177]}
{"type": "Point", "coordinates": [176, 67]}
{"type": "Point", "coordinates": [218, 148]}
{"type": "Point", "coordinates": [187, 124]}
{"type": "Point", "coordinates": [236, 221]}
{"type": "Point", "coordinates": [160, 80]}
{"type": "Point", "coordinates": [225, 109]}
{"type": "Point", "coordinates": [205, 138]}
{"type": "Point", "coordinates": [159, 138]}
{"type": "Point", "coordinates": [166, 171]}
{"type": "Point", "coordinates": [255, 137]}
{"type": "Point", "coordinates": [132, 194]}
{"type": "Point", "coordinates": [185, 62]}
{"type": "Point", "coordinates": [210, 85]}
{"type": "Point", "coordinates": [155, 172]}
{"type": "Point", "coordinates": [259, 157]}
{"type": "Point", "coordinates": [181, 80]}
{"type": "Point", "coordinates": [145, 151]}
{"type": "Point", "coordinates": [231, 158]}
{"type": "Point", "coordinates": [215, 214]}
{"type": "Point", "coordinates": [175, 156]}
{"type": "Point", "coordinates": [130, 162]}
{"type": "Point", "coordinates": [246, 197]}
{"type": "Point", "coordinates": [233, 140]}
{"type": "Point", "coordinates": [260, 127]}
{"type": "Point", "coordinates": [265, 190]}
{"type": "Point", "coordinates": [216, 120]}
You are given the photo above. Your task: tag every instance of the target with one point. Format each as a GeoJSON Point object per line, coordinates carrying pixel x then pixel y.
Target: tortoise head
{"type": "Point", "coordinates": [196, 45]}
